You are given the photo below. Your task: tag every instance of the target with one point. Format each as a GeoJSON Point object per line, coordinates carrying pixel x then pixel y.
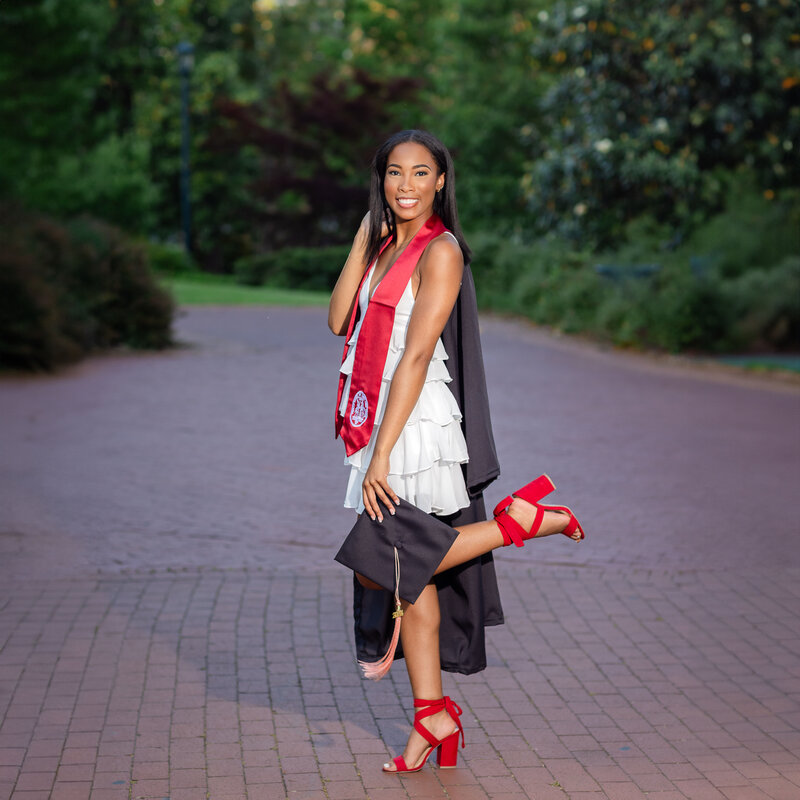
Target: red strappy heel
{"type": "Point", "coordinates": [447, 747]}
{"type": "Point", "coordinates": [532, 493]}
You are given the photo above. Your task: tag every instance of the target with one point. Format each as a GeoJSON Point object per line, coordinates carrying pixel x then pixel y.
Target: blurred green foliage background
{"type": "Point", "coordinates": [626, 169]}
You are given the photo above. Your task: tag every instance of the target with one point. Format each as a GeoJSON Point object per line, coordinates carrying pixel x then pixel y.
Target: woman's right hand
{"type": "Point", "coordinates": [376, 487]}
{"type": "Point", "coordinates": [343, 296]}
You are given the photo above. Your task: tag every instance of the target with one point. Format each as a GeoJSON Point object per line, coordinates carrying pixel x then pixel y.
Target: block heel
{"type": "Point", "coordinates": [446, 749]}
{"type": "Point", "coordinates": [447, 754]}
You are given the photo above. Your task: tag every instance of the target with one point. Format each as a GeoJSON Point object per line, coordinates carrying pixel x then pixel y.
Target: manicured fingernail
{"type": "Point", "coordinates": [391, 511]}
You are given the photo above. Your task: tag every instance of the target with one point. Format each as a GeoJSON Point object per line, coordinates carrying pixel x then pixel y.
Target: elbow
{"type": "Point", "coordinates": [338, 317]}
{"type": "Point", "coordinates": [333, 323]}
{"type": "Point", "coordinates": [337, 328]}
{"type": "Point", "coordinates": [418, 359]}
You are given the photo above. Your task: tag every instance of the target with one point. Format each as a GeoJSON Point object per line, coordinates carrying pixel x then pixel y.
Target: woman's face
{"type": "Point", "coordinates": [411, 181]}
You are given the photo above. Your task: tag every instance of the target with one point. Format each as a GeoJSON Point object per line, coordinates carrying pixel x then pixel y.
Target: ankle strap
{"type": "Point", "coordinates": [430, 707]}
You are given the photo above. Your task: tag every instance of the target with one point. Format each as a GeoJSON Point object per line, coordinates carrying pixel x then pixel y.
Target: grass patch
{"type": "Point", "coordinates": [204, 289]}
{"type": "Point", "coordinates": [765, 363]}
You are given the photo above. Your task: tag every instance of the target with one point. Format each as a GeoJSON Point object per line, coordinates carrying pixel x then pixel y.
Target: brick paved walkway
{"type": "Point", "coordinates": [172, 626]}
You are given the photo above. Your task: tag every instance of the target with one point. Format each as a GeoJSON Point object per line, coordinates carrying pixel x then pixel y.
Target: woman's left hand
{"type": "Point", "coordinates": [376, 488]}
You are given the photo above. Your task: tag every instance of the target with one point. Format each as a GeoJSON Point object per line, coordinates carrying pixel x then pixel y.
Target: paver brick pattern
{"type": "Point", "coordinates": [172, 625]}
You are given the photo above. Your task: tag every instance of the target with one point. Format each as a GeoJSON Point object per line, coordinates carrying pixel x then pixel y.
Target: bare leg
{"type": "Point", "coordinates": [420, 628]}
{"type": "Point", "coordinates": [481, 537]}
{"type": "Point", "coordinates": [419, 634]}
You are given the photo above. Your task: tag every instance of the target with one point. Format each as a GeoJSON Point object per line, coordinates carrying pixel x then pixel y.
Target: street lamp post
{"type": "Point", "coordinates": [185, 52]}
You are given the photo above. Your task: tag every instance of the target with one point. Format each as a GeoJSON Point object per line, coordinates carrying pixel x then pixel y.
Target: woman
{"type": "Point", "coordinates": [408, 434]}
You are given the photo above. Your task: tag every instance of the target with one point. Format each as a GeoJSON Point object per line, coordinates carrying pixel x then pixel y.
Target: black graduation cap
{"type": "Point", "coordinates": [400, 554]}
{"type": "Point", "coordinates": [421, 542]}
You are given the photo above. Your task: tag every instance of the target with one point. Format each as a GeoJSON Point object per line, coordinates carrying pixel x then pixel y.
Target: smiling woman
{"type": "Point", "coordinates": [408, 185]}
{"type": "Point", "coordinates": [413, 414]}
{"type": "Point", "coordinates": [418, 178]}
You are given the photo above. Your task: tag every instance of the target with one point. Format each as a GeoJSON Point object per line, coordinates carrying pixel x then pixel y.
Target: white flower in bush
{"type": "Point", "coordinates": [603, 146]}
{"type": "Point", "coordinates": [660, 125]}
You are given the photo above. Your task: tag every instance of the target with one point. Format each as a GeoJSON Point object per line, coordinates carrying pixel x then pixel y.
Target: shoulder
{"type": "Point", "coordinates": [443, 256]}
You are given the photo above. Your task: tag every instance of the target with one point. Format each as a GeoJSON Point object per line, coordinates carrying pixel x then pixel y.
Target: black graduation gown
{"type": "Point", "coordinates": [468, 595]}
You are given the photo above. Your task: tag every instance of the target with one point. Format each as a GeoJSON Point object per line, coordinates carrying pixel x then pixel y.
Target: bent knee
{"type": "Point", "coordinates": [424, 619]}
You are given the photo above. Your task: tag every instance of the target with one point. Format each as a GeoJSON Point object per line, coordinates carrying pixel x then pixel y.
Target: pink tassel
{"type": "Point", "coordinates": [375, 670]}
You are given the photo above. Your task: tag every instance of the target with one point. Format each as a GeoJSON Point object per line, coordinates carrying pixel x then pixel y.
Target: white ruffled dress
{"type": "Point", "coordinates": [425, 463]}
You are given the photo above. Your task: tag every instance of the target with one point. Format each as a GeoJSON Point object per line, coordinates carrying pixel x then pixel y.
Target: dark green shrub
{"type": "Point", "coordinates": [113, 276]}
{"type": "Point", "coordinates": [31, 321]}
{"type": "Point", "coordinates": [309, 268]}
{"type": "Point", "coordinates": [66, 290]}
{"type": "Point", "coordinates": [686, 312]}
{"type": "Point", "coordinates": [497, 262]}
{"type": "Point", "coordinates": [546, 281]}
{"type": "Point", "coordinates": [734, 284]}
{"type": "Point", "coordinates": [40, 264]}
{"type": "Point", "coordinates": [752, 232]}
{"type": "Point", "coordinates": [169, 259]}
{"type": "Point", "coordinates": [765, 305]}
{"type": "Point", "coordinates": [253, 270]}
{"type": "Point", "coordinates": [621, 314]}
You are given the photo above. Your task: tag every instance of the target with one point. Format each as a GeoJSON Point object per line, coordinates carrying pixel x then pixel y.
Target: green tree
{"type": "Point", "coordinates": [295, 168]}
{"type": "Point", "coordinates": [653, 101]}
{"type": "Point", "coordinates": [478, 90]}
{"type": "Point", "coordinates": [483, 95]}
{"type": "Point", "coordinates": [69, 74]}
{"type": "Point", "coordinates": [50, 75]}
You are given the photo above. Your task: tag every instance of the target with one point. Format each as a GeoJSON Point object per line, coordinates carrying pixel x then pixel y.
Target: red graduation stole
{"type": "Point", "coordinates": [356, 426]}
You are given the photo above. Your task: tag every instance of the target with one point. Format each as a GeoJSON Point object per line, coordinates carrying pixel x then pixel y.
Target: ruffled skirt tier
{"type": "Point", "coordinates": [425, 463]}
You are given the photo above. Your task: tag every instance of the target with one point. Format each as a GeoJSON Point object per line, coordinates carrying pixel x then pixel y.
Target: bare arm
{"type": "Point", "coordinates": [343, 297]}
{"type": "Point", "coordinates": [440, 269]}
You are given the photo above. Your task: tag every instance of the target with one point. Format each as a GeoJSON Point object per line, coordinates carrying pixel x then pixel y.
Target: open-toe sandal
{"type": "Point", "coordinates": [532, 493]}
{"type": "Point", "coordinates": [447, 748]}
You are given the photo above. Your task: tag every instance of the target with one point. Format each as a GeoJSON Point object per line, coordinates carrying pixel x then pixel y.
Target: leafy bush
{"type": "Point", "coordinates": [513, 275]}
{"type": "Point", "coordinates": [169, 259]}
{"type": "Point", "coordinates": [734, 284]}
{"type": "Point", "coordinates": [113, 272]}
{"type": "Point", "coordinates": [683, 311]}
{"type": "Point", "coordinates": [765, 306]}
{"type": "Point", "coordinates": [313, 269]}
{"type": "Point", "coordinates": [31, 335]}
{"type": "Point", "coordinates": [67, 290]}
{"type": "Point", "coordinates": [752, 232]}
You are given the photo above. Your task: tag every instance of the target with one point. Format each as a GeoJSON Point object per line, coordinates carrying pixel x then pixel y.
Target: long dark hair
{"type": "Point", "coordinates": [444, 203]}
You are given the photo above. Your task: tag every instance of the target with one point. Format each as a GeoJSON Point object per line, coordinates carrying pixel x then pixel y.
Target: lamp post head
{"type": "Point", "coordinates": [185, 51]}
